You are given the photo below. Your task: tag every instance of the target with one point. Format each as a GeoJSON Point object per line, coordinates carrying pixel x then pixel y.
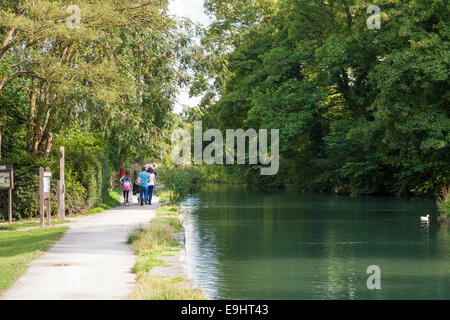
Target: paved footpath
{"type": "Point", "coordinates": [91, 261]}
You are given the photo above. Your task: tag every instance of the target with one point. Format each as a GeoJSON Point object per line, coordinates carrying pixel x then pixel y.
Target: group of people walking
{"type": "Point", "coordinates": [144, 184]}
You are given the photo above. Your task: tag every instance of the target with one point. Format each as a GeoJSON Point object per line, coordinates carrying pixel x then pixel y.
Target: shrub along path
{"type": "Point", "coordinates": [91, 261]}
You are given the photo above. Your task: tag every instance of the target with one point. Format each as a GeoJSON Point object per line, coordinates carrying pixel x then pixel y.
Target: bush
{"type": "Point", "coordinates": [75, 193]}
{"type": "Point", "coordinates": [26, 186]}
{"type": "Point", "coordinates": [88, 176]}
{"type": "Point", "coordinates": [181, 180]}
{"type": "Point", "coordinates": [165, 195]}
{"type": "Point", "coordinates": [443, 203]}
{"type": "Point", "coordinates": [87, 158]}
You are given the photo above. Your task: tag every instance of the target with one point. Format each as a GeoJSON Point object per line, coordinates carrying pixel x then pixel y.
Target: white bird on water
{"type": "Point", "coordinates": [427, 218]}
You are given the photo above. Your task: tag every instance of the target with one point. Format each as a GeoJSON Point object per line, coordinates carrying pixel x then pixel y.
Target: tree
{"type": "Point", "coordinates": [98, 71]}
{"type": "Point", "coordinates": [361, 110]}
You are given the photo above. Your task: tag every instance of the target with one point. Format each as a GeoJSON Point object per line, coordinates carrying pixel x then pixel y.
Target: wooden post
{"type": "Point", "coordinates": [49, 214]}
{"type": "Point", "coordinates": [10, 195]}
{"type": "Point", "coordinates": [58, 199]}
{"type": "Point", "coordinates": [44, 195]}
{"type": "Point", "coordinates": [41, 196]}
{"type": "Point", "coordinates": [48, 174]}
{"type": "Point", "coordinates": [61, 187]}
{"type": "Point", "coordinates": [10, 206]}
{"type": "Point", "coordinates": [11, 182]}
{"type": "Point", "coordinates": [7, 183]}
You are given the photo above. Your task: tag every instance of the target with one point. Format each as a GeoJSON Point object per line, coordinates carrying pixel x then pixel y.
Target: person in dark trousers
{"type": "Point", "coordinates": [143, 179]}
{"type": "Point", "coordinates": [136, 188]}
{"type": "Point", "coordinates": [151, 184]}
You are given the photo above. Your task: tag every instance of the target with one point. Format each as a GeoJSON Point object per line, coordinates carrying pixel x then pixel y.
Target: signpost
{"type": "Point", "coordinates": [60, 196]}
{"type": "Point", "coordinates": [44, 195]}
{"type": "Point", "coordinates": [7, 183]}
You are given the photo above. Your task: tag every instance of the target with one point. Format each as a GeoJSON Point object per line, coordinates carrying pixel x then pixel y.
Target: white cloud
{"type": "Point", "coordinates": [192, 9]}
{"type": "Point", "coordinates": [183, 101]}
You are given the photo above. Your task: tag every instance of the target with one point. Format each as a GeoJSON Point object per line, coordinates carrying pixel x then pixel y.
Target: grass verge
{"type": "Point", "coordinates": [19, 248]}
{"type": "Point", "coordinates": [166, 195]}
{"type": "Point", "coordinates": [156, 288]}
{"type": "Point", "coordinates": [150, 243]}
{"type": "Point", "coordinates": [111, 201]}
{"type": "Point", "coordinates": [28, 224]}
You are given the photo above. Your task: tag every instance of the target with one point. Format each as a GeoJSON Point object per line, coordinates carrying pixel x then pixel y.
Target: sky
{"type": "Point", "coordinates": [192, 9]}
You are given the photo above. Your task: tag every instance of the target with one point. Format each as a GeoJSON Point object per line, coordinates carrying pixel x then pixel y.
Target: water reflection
{"type": "Point", "coordinates": [244, 243]}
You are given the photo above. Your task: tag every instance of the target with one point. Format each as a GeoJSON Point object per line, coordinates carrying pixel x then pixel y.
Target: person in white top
{"type": "Point", "coordinates": [151, 184]}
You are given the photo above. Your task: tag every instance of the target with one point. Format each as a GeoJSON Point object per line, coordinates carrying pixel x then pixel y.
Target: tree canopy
{"type": "Point", "coordinates": [98, 77]}
{"type": "Point", "coordinates": [361, 110]}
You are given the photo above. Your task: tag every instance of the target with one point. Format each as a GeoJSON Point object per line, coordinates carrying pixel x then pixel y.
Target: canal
{"type": "Point", "coordinates": [245, 243]}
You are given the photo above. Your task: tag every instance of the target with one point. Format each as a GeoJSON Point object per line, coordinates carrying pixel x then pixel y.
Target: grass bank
{"type": "Point", "coordinates": [166, 195]}
{"type": "Point", "coordinates": [28, 224]}
{"type": "Point", "coordinates": [150, 243]}
{"type": "Point", "coordinates": [178, 182]}
{"type": "Point", "coordinates": [19, 248]}
{"type": "Point", "coordinates": [112, 200]}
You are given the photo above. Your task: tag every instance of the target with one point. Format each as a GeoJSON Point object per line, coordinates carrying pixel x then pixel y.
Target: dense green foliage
{"type": "Point", "coordinates": [179, 181]}
{"type": "Point", "coordinates": [359, 111]}
{"type": "Point", "coordinates": [104, 91]}
{"type": "Point", "coordinates": [443, 203]}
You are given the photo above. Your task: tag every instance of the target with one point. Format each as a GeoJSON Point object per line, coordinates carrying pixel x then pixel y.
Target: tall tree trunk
{"type": "Point", "coordinates": [46, 135]}
{"type": "Point", "coordinates": [32, 115]}
{"type": "Point", "coordinates": [38, 120]}
{"type": "Point", "coordinates": [49, 145]}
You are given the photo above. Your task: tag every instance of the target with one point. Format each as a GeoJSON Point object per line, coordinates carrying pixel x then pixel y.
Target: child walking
{"type": "Point", "coordinates": [127, 186]}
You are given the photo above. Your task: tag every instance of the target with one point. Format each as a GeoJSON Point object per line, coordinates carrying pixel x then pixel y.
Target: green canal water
{"type": "Point", "coordinates": [245, 243]}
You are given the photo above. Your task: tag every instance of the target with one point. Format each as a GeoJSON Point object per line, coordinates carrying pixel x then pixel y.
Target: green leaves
{"type": "Point", "coordinates": [104, 90]}
{"type": "Point", "coordinates": [370, 106]}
